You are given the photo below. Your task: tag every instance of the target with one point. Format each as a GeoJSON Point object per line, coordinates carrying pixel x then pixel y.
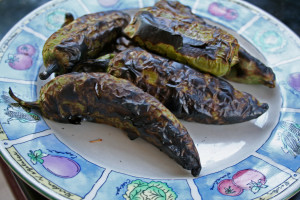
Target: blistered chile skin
{"type": "Point", "coordinates": [81, 39]}
{"type": "Point", "coordinates": [250, 70]}
{"type": "Point", "coordinates": [174, 32]}
{"type": "Point", "coordinates": [102, 98]}
{"type": "Point", "coordinates": [189, 94]}
{"type": "Point", "coordinates": [175, 8]}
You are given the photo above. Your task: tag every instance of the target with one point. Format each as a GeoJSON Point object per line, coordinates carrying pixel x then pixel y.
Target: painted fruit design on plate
{"type": "Point", "coordinates": [247, 179]}
{"type": "Point", "coordinates": [19, 61]}
{"type": "Point", "coordinates": [58, 165]}
{"type": "Point", "coordinates": [23, 58]}
{"type": "Point", "coordinates": [227, 187]}
{"type": "Point", "coordinates": [26, 49]}
{"type": "Point", "coordinates": [221, 11]}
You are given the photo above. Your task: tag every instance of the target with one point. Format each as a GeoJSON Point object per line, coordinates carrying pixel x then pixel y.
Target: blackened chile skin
{"type": "Point", "coordinates": [103, 98]}
{"type": "Point", "coordinates": [189, 94]}
{"type": "Point", "coordinates": [84, 38]}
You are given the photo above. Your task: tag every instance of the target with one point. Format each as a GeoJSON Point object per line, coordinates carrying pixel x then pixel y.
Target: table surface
{"type": "Point", "coordinates": [12, 11]}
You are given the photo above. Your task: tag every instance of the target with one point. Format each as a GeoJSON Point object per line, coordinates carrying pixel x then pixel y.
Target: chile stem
{"type": "Point", "coordinates": [26, 104]}
{"type": "Point", "coordinates": [68, 19]}
{"type": "Point", "coordinates": [50, 69]}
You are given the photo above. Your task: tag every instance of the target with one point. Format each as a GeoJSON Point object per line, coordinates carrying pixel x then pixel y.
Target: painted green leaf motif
{"type": "Point", "coordinates": [139, 183]}
{"type": "Point", "coordinates": [256, 186]}
{"type": "Point", "coordinates": [36, 156]}
{"type": "Point", "coordinates": [136, 193]}
{"type": "Point", "coordinates": [263, 186]}
{"type": "Point", "coordinates": [40, 160]}
{"type": "Point", "coordinates": [154, 190]}
{"type": "Point", "coordinates": [170, 194]}
{"type": "Point", "coordinates": [255, 189]}
{"type": "Point", "coordinates": [154, 193]}
{"type": "Point", "coordinates": [163, 186]}
{"type": "Point", "coordinates": [229, 190]}
{"type": "Point", "coordinates": [32, 158]}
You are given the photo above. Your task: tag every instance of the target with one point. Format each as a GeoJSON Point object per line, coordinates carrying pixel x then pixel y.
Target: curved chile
{"type": "Point", "coordinates": [174, 32]}
{"type": "Point", "coordinates": [250, 70]}
{"type": "Point", "coordinates": [189, 94]}
{"type": "Point", "coordinates": [81, 39]}
{"type": "Point", "coordinates": [102, 98]}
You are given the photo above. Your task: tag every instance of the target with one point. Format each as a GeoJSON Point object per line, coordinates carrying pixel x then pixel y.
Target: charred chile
{"type": "Point", "coordinates": [179, 10]}
{"type": "Point", "coordinates": [102, 98]}
{"type": "Point", "coordinates": [189, 94]}
{"type": "Point", "coordinates": [248, 70]}
{"type": "Point", "coordinates": [81, 39]}
{"type": "Point", "coordinates": [100, 64]}
{"type": "Point", "coordinates": [251, 71]}
{"type": "Point", "coordinates": [171, 30]}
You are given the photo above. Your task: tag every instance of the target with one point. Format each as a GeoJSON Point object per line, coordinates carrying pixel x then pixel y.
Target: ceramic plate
{"type": "Point", "coordinates": [258, 159]}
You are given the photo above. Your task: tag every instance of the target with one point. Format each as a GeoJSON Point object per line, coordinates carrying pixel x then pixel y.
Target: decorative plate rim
{"type": "Point", "coordinates": [288, 193]}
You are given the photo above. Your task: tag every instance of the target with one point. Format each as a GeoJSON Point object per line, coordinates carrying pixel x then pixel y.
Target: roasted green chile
{"type": "Point", "coordinates": [171, 30]}
{"type": "Point", "coordinates": [188, 93]}
{"type": "Point", "coordinates": [250, 70]}
{"type": "Point", "coordinates": [102, 98]}
{"type": "Point", "coordinates": [99, 64]}
{"type": "Point", "coordinates": [81, 39]}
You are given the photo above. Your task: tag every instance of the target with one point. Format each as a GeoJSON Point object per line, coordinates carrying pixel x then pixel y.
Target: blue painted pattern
{"type": "Point", "coordinates": [80, 184]}
{"type": "Point", "coordinates": [50, 20]}
{"type": "Point", "coordinates": [15, 120]}
{"type": "Point", "coordinates": [283, 146]}
{"type": "Point", "coordinates": [122, 186]}
{"type": "Point", "coordinates": [103, 5]}
{"type": "Point", "coordinates": [228, 14]}
{"type": "Point", "coordinates": [272, 41]}
{"type": "Point", "coordinates": [22, 60]}
{"type": "Point", "coordinates": [288, 79]}
{"type": "Point", "coordinates": [249, 179]}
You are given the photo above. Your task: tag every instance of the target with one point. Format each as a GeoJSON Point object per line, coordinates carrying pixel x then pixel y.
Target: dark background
{"type": "Point", "coordinates": [287, 11]}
